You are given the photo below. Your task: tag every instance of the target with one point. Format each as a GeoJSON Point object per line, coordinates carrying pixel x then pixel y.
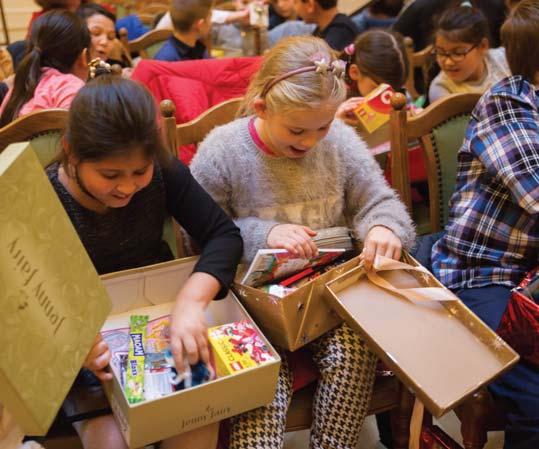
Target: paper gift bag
{"type": "Point", "coordinates": [298, 318]}
{"type": "Point", "coordinates": [421, 330]}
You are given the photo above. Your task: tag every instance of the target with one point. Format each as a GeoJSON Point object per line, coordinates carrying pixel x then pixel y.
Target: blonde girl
{"type": "Point", "coordinates": [282, 171]}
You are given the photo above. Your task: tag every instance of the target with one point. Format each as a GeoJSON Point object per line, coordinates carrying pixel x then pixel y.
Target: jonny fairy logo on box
{"type": "Point", "coordinates": [33, 288]}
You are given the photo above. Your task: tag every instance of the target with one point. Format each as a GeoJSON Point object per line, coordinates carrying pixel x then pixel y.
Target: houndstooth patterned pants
{"type": "Point", "coordinates": [347, 370]}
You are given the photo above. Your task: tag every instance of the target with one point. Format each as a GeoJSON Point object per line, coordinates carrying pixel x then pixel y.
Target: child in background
{"type": "Point", "coordinates": [379, 14]}
{"type": "Point", "coordinates": [335, 28]}
{"type": "Point", "coordinates": [282, 171]}
{"type": "Point", "coordinates": [118, 186]}
{"type": "Point", "coordinates": [102, 26]}
{"type": "Point", "coordinates": [492, 237]}
{"type": "Point", "coordinates": [54, 68]}
{"type": "Point", "coordinates": [280, 11]}
{"type": "Point", "coordinates": [191, 20]}
{"type": "Point", "coordinates": [461, 47]}
{"type": "Point", "coordinates": [376, 57]}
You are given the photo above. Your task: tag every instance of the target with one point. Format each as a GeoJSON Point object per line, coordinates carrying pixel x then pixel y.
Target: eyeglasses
{"type": "Point", "coordinates": [455, 56]}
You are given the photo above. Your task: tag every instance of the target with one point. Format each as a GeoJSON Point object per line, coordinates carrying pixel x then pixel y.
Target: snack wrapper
{"type": "Point", "coordinates": [134, 385]}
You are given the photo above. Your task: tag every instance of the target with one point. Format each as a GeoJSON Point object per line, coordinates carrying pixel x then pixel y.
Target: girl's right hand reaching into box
{"type": "Point", "coordinates": [296, 239]}
{"type": "Point", "coordinates": [98, 359]}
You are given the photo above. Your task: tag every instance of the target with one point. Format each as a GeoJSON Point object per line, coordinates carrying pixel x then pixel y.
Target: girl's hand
{"type": "Point", "coordinates": [345, 112]}
{"type": "Point", "coordinates": [296, 239]}
{"type": "Point", "coordinates": [98, 358]}
{"type": "Point", "coordinates": [188, 327]}
{"type": "Point", "coordinates": [380, 240]}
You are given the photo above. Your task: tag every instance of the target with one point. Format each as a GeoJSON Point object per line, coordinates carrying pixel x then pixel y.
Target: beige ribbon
{"type": "Point", "coordinates": [382, 263]}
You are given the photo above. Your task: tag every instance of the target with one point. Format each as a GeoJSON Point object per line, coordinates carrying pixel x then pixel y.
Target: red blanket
{"type": "Point", "coordinates": [195, 86]}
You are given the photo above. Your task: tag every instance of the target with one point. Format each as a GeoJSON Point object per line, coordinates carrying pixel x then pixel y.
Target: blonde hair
{"type": "Point", "coordinates": [308, 90]}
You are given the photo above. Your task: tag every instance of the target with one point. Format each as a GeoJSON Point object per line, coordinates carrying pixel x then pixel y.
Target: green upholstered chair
{"type": "Point", "coordinates": [441, 129]}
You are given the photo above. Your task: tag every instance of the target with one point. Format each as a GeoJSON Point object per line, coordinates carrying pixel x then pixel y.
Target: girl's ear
{"type": "Point", "coordinates": [80, 67]}
{"type": "Point", "coordinates": [353, 72]}
{"type": "Point", "coordinates": [484, 44]}
{"type": "Point", "coordinates": [260, 108]}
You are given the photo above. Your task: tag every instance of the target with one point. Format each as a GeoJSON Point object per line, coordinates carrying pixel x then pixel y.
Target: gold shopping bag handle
{"type": "Point", "coordinates": [382, 263]}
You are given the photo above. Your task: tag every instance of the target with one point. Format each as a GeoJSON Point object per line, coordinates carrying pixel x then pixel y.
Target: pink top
{"type": "Point", "coordinates": [55, 90]}
{"type": "Point", "coordinates": [257, 140]}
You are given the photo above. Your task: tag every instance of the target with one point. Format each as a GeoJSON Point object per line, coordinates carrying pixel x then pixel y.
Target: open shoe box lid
{"type": "Point", "coordinates": [440, 350]}
{"type": "Point", "coordinates": [52, 301]}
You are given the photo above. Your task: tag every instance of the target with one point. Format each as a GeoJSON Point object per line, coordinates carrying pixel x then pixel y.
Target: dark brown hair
{"type": "Point", "coordinates": [463, 24]}
{"type": "Point", "coordinates": [56, 40]}
{"type": "Point", "coordinates": [520, 35]}
{"type": "Point", "coordinates": [390, 8]}
{"type": "Point", "coordinates": [110, 116]}
{"type": "Point", "coordinates": [381, 55]}
{"type": "Point", "coordinates": [93, 9]}
{"type": "Point", "coordinates": [184, 13]}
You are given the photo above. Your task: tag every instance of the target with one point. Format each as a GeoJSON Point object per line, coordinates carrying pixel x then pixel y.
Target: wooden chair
{"type": "Point", "coordinates": [146, 45]}
{"type": "Point", "coordinates": [420, 60]}
{"type": "Point", "coordinates": [43, 128]}
{"type": "Point", "coordinates": [193, 132]}
{"type": "Point", "coordinates": [441, 129]}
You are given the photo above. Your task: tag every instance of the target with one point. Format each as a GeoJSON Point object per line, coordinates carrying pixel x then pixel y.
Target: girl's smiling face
{"type": "Point", "coordinates": [461, 61]}
{"type": "Point", "coordinates": [114, 180]}
{"type": "Point", "coordinates": [295, 133]}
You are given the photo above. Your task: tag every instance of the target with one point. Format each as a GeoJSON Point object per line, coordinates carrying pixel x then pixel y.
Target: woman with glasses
{"type": "Point", "coordinates": [461, 49]}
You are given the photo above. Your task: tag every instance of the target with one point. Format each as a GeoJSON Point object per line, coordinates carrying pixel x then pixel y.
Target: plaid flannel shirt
{"type": "Point", "coordinates": [492, 236]}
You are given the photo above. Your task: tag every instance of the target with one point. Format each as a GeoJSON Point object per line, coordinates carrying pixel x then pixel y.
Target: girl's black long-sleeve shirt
{"type": "Point", "coordinates": [132, 236]}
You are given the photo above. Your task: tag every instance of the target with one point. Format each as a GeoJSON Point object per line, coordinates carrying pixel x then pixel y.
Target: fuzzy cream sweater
{"type": "Point", "coordinates": [337, 183]}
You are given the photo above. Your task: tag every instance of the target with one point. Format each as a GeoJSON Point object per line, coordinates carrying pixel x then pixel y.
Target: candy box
{"type": "Point", "coordinates": [237, 346]}
{"type": "Point", "coordinates": [151, 291]}
{"type": "Point", "coordinates": [375, 110]}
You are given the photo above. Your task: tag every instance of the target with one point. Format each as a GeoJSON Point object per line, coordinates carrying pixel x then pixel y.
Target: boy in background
{"type": "Point", "coordinates": [335, 28]}
{"type": "Point", "coordinates": [191, 20]}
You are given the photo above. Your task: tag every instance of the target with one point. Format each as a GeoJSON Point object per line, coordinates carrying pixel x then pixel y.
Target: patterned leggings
{"type": "Point", "coordinates": [342, 399]}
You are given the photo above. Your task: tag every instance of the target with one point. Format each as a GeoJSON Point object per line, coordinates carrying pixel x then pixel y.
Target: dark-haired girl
{"type": "Point", "coordinates": [102, 26]}
{"type": "Point", "coordinates": [54, 68]}
{"type": "Point", "coordinates": [376, 57]}
{"type": "Point", "coordinates": [461, 48]}
{"type": "Point", "coordinates": [118, 186]}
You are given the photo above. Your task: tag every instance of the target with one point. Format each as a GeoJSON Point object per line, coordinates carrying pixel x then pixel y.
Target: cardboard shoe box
{"type": "Point", "coordinates": [53, 304]}
{"type": "Point", "coordinates": [298, 318]}
{"type": "Point", "coordinates": [150, 291]}
{"type": "Point", "coordinates": [438, 348]}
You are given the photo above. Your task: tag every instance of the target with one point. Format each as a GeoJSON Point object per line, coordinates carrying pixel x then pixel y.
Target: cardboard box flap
{"type": "Point", "coordinates": [141, 287]}
{"type": "Point", "coordinates": [441, 350]}
{"type": "Point", "coordinates": [52, 301]}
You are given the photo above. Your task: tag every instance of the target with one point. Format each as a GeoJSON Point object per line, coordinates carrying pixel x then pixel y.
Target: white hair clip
{"type": "Point", "coordinates": [336, 67]}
